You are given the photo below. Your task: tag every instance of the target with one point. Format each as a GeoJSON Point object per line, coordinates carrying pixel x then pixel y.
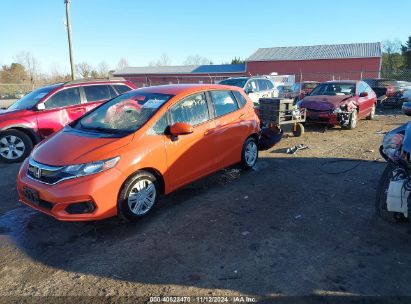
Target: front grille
{"type": "Point", "coordinates": [45, 173]}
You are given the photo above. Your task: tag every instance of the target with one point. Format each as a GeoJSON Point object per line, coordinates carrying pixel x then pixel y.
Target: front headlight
{"type": "Point", "coordinates": [91, 168]}
{"type": "Point", "coordinates": [337, 111]}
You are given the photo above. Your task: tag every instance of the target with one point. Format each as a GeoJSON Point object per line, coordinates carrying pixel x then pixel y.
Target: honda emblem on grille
{"type": "Point", "coordinates": [37, 173]}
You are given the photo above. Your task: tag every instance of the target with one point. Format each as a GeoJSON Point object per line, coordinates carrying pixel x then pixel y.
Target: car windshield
{"type": "Point", "coordinates": [123, 114]}
{"type": "Point", "coordinates": [333, 89]}
{"type": "Point", "coordinates": [310, 85]}
{"type": "Point", "coordinates": [236, 82]}
{"type": "Point", "coordinates": [286, 89]}
{"type": "Point", "coordinates": [31, 99]}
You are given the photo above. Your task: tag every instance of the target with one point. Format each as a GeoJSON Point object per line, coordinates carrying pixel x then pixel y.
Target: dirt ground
{"type": "Point", "coordinates": [299, 224]}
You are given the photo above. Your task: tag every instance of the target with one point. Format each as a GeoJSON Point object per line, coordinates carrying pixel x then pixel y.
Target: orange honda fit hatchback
{"type": "Point", "coordinates": [117, 158]}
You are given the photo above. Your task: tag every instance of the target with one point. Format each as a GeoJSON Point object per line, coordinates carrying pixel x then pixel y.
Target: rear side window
{"type": "Point", "coordinates": [64, 98]}
{"type": "Point", "coordinates": [192, 110]}
{"type": "Point", "coordinates": [240, 98]}
{"type": "Point", "coordinates": [121, 88]}
{"type": "Point", "coordinates": [98, 92]}
{"type": "Point", "coordinates": [224, 102]}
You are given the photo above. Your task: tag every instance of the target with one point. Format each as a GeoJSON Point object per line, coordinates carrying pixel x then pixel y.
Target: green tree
{"type": "Point", "coordinates": [406, 53]}
{"type": "Point", "coordinates": [237, 60]}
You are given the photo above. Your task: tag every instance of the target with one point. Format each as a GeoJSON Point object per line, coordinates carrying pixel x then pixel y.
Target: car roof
{"type": "Point", "coordinates": [342, 81]}
{"type": "Point", "coordinates": [175, 89]}
{"type": "Point", "coordinates": [93, 81]}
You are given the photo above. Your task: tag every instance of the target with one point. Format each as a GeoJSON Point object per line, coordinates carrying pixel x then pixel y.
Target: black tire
{"type": "Point", "coordinates": [17, 150]}
{"type": "Point", "coordinates": [299, 130]}
{"type": "Point", "coordinates": [353, 121]}
{"type": "Point", "coordinates": [246, 162]}
{"type": "Point", "coordinates": [125, 210]}
{"type": "Point", "coordinates": [381, 198]}
{"type": "Point", "coordinates": [371, 116]}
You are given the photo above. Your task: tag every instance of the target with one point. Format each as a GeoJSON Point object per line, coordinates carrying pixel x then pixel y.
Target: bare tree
{"type": "Point", "coordinates": [163, 61]}
{"type": "Point", "coordinates": [122, 64]}
{"type": "Point", "coordinates": [196, 60]}
{"type": "Point", "coordinates": [30, 64]}
{"type": "Point", "coordinates": [390, 49]}
{"type": "Point", "coordinates": [103, 69]}
{"type": "Point", "coordinates": [84, 69]}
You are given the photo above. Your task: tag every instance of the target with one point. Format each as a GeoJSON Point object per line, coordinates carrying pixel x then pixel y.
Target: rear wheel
{"type": "Point", "coordinates": [298, 130]}
{"type": "Point", "coordinates": [15, 146]}
{"type": "Point", "coordinates": [249, 153]}
{"type": "Point", "coordinates": [381, 198]}
{"type": "Point", "coordinates": [137, 196]}
{"type": "Point", "coordinates": [371, 116]}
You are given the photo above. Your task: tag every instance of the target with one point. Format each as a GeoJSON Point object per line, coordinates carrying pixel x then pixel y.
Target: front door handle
{"type": "Point", "coordinates": [241, 116]}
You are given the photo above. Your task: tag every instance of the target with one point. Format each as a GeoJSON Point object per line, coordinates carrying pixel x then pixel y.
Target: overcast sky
{"type": "Point", "coordinates": [140, 31]}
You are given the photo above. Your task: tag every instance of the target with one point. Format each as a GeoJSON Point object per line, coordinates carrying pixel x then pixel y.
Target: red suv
{"type": "Point", "coordinates": [48, 109]}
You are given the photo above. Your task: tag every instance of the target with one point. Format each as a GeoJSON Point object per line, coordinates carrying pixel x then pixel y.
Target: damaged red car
{"type": "Point", "coordinates": [340, 103]}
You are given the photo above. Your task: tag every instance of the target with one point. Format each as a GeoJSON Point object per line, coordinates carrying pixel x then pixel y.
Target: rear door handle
{"type": "Point", "coordinates": [206, 132]}
{"type": "Point", "coordinates": [242, 116]}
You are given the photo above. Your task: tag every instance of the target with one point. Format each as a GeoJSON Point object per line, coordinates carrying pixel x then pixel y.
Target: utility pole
{"type": "Point", "coordinates": [73, 70]}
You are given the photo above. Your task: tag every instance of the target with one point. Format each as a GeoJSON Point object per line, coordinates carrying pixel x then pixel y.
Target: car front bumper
{"type": "Point", "coordinates": [322, 117]}
{"type": "Point", "coordinates": [99, 191]}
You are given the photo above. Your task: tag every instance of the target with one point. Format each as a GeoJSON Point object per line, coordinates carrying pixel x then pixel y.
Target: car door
{"type": "Point", "coordinates": [230, 130]}
{"type": "Point", "coordinates": [364, 103]}
{"type": "Point", "coordinates": [97, 94]}
{"type": "Point", "coordinates": [191, 156]}
{"type": "Point", "coordinates": [61, 108]}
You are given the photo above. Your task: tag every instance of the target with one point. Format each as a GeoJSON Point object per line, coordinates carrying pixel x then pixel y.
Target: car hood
{"type": "Point", "coordinates": [9, 113]}
{"type": "Point", "coordinates": [323, 102]}
{"type": "Point", "coordinates": [70, 147]}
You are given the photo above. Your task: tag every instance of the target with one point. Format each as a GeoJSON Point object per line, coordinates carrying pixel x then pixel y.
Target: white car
{"type": "Point", "coordinates": [254, 87]}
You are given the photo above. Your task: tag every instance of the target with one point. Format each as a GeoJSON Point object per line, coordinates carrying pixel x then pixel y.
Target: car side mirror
{"type": "Point", "coordinates": [406, 108]}
{"type": "Point", "coordinates": [40, 106]}
{"type": "Point", "coordinates": [364, 94]}
{"type": "Point", "coordinates": [248, 91]}
{"type": "Point", "coordinates": [181, 128]}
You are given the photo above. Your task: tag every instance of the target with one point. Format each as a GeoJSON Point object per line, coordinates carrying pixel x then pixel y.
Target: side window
{"type": "Point", "coordinates": [368, 88]}
{"type": "Point", "coordinates": [240, 98]}
{"type": "Point", "coordinates": [262, 85]}
{"type": "Point", "coordinates": [98, 92]}
{"type": "Point", "coordinates": [224, 102]}
{"type": "Point", "coordinates": [192, 110]}
{"type": "Point", "coordinates": [361, 87]}
{"type": "Point", "coordinates": [270, 85]}
{"type": "Point", "coordinates": [122, 88]}
{"type": "Point", "coordinates": [64, 98]}
{"type": "Point", "coordinates": [251, 85]}
{"type": "Point", "coordinates": [161, 125]}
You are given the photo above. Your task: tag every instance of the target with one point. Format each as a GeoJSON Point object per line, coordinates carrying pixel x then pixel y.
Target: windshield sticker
{"type": "Point", "coordinates": [153, 103]}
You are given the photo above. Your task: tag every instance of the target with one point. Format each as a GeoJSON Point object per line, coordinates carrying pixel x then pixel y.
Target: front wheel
{"type": "Point", "coordinates": [15, 146]}
{"type": "Point", "coordinates": [381, 198]}
{"type": "Point", "coordinates": [249, 154]}
{"type": "Point", "coordinates": [137, 196]}
{"type": "Point", "coordinates": [353, 120]}
{"type": "Point", "coordinates": [371, 116]}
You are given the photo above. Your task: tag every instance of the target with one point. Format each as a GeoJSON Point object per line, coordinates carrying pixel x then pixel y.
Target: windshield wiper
{"type": "Point", "coordinates": [105, 130]}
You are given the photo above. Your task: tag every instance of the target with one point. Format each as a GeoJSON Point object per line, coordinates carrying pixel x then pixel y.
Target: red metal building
{"type": "Point", "coordinates": [319, 62]}
{"type": "Point", "coordinates": [316, 62]}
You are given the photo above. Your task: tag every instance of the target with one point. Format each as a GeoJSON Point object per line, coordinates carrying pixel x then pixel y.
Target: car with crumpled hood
{"type": "Point", "coordinates": [340, 103]}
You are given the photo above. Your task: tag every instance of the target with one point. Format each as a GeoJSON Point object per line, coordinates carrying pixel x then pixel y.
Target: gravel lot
{"type": "Point", "coordinates": [285, 228]}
